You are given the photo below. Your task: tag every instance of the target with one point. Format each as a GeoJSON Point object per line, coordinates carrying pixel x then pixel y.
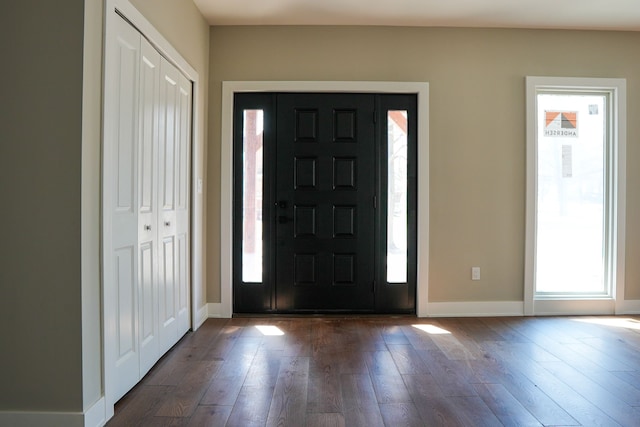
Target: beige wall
{"type": "Point", "coordinates": [477, 127]}
{"type": "Point", "coordinates": [181, 23]}
{"type": "Point", "coordinates": [40, 167]}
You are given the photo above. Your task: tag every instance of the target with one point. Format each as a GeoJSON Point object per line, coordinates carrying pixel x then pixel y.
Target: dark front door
{"type": "Point", "coordinates": [325, 188]}
{"type": "Point", "coordinates": [324, 203]}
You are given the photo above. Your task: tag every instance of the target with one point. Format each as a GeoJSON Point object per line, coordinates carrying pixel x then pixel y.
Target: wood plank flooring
{"type": "Point", "coordinates": [395, 371]}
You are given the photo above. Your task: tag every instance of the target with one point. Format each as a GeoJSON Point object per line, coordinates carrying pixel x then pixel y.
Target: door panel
{"type": "Point", "coordinates": [168, 142]}
{"type": "Point", "coordinates": [254, 207]}
{"type": "Point", "coordinates": [147, 206]}
{"type": "Point", "coordinates": [182, 283]}
{"type": "Point", "coordinates": [167, 282]}
{"type": "Point", "coordinates": [396, 284]}
{"type": "Point", "coordinates": [121, 223]}
{"type": "Point", "coordinates": [325, 188]}
{"type": "Point", "coordinates": [148, 313]}
{"type": "Point", "coordinates": [183, 154]}
{"type": "Point", "coordinates": [126, 288]}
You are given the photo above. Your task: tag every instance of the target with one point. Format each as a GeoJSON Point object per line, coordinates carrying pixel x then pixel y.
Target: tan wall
{"type": "Point", "coordinates": [182, 24]}
{"type": "Point", "coordinates": [477, 126]}
{"type": "Point", "coordinates": [40, 167]}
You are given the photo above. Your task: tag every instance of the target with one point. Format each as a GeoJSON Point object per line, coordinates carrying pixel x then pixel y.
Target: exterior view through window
{"type": "Point", "coordinates": [572, 208]}
{"type": "Point", "coordinates": [397, 197]}
{"type": "Point", "coordinates": [252, 149]}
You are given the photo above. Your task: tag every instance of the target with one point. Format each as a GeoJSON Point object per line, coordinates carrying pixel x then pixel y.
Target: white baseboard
{"type": "Point", "coordinates": [475, 309]}
{"type": "Point", "coordinates": [201, 315]}
{"type": "Point", "coordinates": [214, 309]}
{"type": "Point", "coordinates": [559, 307]}
{"type": "Point", "coordinates": [542, 308]}
{"type": "Point", "coordinates": [96, 415]}
{"type": "Point", "coordinates": [630, 306]}
{"type": "Point", "coordinates": [492, 308]}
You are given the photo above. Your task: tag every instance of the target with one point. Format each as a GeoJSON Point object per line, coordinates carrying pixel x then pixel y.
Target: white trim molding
{"type": "Point", "coordinates": [628, 307]}
{"type": "Point", "coordinates": [476, 309]}
{"type": "Point", "coordinates": [202, 315]}
{"type": "Point", "coordinates": [214, 310]}
{"type": "Point", "coordinates": [614, 303]}
{"type": "Point", "coordinates": [229, 88]}
{"type": "Point", "coordinates": [574, 307]}
{"type": "Point", "coordinates": [93, 417]}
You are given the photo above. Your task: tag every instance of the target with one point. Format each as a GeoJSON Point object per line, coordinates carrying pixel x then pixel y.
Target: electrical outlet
{"type": "Point", "coordinates": [475, 273]}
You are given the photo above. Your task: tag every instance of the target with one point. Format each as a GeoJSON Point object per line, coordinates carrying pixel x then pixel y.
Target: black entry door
{"type": "Point", "coordinates": [324, 203]}
{"type": "Point", "coordinates": [325, 187]}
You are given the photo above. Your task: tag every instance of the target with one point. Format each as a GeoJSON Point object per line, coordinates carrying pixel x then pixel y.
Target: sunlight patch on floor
{"type": "Point", "coordinates": [269, 330]}
{"type": "Point", "coordinates": [432, 330]}
{"type": "Point", "coordinates": [619, 322]}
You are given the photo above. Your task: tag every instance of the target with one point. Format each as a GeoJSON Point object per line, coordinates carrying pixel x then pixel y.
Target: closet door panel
{"type": "Point", "coordinates": [168, 145]}
{"type": "Point", "coordinates": [168, 317]}
{"type": "Point", "coordinates": [146, 198]}
{"type": "Point", "coordinates": [148, 318]}
{"type": "Point", "coordinates": [120, 218]}
{"type": "Point", "coordinates": [183, 151]}
{"type": "Point", "coordinates": [182, 276]}
{"type": "Point", "coordinates": [148, 206]}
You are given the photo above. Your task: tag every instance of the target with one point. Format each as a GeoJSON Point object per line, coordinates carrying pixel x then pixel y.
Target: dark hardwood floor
{"type": "Point", "coordinates": [395, 371]}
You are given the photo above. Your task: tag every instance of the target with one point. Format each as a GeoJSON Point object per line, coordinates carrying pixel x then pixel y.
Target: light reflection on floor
{"type": "Point", "coordinates": [619, 322]}
{"type": "Point", "coordinates": [269, 330]}
{"type": "Point", "coordinates": [432, 330]}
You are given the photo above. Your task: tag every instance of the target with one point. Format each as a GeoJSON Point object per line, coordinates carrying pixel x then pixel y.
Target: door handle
{"type": "Point", "coordinates": [167, 223]}
{"type": "Point", "coordinates": [147, 227]}
{"type": "Point", "coordinates": [282, 204]}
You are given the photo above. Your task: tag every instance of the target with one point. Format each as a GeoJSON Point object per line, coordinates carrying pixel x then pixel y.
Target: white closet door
{"type": "Point", "coordinates": [147, 140]}
{"type": "Point", "coordinates": [168, 250]}
{"type": "Point", "coordinates": [122, 364]}
{"type": "Point", "coordinates": [148, 207]}
{"type": "Point", "coordinates": [183, 153]}
{"type": "Point", "coordinates": [173, 179]}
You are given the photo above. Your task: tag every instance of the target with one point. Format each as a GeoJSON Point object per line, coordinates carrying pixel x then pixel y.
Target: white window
{"type": "Point", "coordinates": [575, 195]}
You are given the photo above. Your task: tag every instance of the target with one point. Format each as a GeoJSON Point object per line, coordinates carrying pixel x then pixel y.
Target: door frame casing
{"type": "Point", "coordinates": [230, 88]}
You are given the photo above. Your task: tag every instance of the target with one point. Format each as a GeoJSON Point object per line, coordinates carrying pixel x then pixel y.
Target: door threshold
{"type": "Point", "coordinates": [315, 315]}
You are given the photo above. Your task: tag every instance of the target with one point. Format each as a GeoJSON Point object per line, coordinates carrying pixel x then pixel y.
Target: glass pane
{"type": "Point", "coordinates": [252, 148]}
{"type": "Point", "coordinates": [570, 250]}
{"type": "Point", "coordinates": [397, 197]}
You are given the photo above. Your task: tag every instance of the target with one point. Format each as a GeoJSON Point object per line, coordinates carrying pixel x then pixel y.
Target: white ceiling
{"type": "Point", "coordinates": [566, 14]}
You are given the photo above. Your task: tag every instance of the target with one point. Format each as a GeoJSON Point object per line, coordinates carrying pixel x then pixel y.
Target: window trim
{"type": "Point", "coordinates": [612, 304]}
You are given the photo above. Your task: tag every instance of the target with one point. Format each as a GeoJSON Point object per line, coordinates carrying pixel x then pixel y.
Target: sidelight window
{"type": "Point", "coordinates": [252, 170]}
{"type": "Point", "coordinates": [397, 196]}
